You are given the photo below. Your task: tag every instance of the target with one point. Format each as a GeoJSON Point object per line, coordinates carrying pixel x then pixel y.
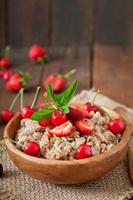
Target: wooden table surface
{"type": "Point", "coordinates": [108, 68]}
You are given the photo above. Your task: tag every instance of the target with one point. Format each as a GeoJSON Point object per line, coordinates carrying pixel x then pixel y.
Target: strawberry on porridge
{"type": "Point", "coordinates": [66, 132]}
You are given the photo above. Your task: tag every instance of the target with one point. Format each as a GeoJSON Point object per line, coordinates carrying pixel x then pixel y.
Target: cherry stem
{"type": "Point", "coordinates": [14, 101]}
{"type": "Point", "coordinates": [47, 99]}
{"type": "Point", "coordinates": [35, 97]}
{"type": "Point", "coordinates": [68, 74]}
{"type": "Point", "coordinates": [21, 98]}
{"type": "Point", "coordinates": [14, 142]}
{"type": "Point", "coordinates": [97, 92]}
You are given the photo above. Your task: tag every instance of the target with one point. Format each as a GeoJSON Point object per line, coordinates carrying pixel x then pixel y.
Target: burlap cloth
{"type": "Point", "coordinates": [114, 186]}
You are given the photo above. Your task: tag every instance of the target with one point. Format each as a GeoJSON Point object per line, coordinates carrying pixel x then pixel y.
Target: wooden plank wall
{"type": "Point", "coordinates": [66, 22]}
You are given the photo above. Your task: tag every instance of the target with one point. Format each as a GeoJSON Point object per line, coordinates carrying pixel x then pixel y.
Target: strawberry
{"type": "Point", "coordinates": [84, 151]}
{"type": "Point", "coordinates": [44, 122]}
{"type": "Point", "coordinates": [84, 127]}
{"type": "Point", "coordinates": [5, 63]}
{"type": "Point", "coordinates": [63, 130]}
{"type": "Point", "coordinates": [77, 113]}
{"type": "Point", "coordinates": [38, 53]}
{"type": "Point", "coordinates": [17, 81]}
{"type": "Point", "coordinates": [58, 81]}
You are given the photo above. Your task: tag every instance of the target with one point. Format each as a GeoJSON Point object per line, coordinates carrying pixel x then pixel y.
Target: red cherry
{"type": "Point", "coordinates": [5, 63]}
{"type": "Point", "coordinates": [44, 123]}
{"type": "Point", "coordinates": [89, 107]}
{"type": "Point", "coordinates": [58, 117]}
{"type": "Point", "coordinates": [27, 112]}
{"type": "Point", "coordinates": [32, 148]}
{"type": "Point", "coordinates": [6, 115]}
{"type": "Point", "coordinates": [37, 52]}
{"type": "Point", "coordinates": [117, 126]}
{"type": "Point", "coordinates": [84, 151]}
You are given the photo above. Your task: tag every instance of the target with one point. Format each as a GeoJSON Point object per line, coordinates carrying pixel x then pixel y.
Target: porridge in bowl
{"type": "Point", "coordinates": [67, 132]}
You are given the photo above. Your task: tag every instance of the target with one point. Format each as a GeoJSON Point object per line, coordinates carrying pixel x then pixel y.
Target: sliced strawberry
{"type": "Point", "coordinates": [84, 127]}
{"type": "Point", "coordinates": [77, 113]}
{"type": "Point", "coordinates": [63, 130]}
{"type": "Point", "coordinates": [44, 122]}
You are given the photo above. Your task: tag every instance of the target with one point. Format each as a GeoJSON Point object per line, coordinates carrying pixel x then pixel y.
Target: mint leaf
{"type": "Point", "coordinates": [42, 114]}
{"type": "Point", "coordinates": [65, 108]}
{"type": "Point", "coordinates": [52, 95]}
{"type": "Point", "coordinates": [70, 91]}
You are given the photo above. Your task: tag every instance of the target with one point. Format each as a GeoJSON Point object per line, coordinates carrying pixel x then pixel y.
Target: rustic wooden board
{"type": "Point", "coordinates": [2, 23]}
{"type": "Point", "coordinates": [114, 22]}
{"type": "Point", "coordinates": [113, 73]}
{"type": "Point", "coordinates": [72, 22]}
{"type": "Point", "coordinates": [28, 22]}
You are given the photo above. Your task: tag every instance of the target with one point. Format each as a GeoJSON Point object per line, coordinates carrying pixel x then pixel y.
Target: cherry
{"type": "Point", "coordinates": [5, 63]}
{"type": "Point", "coordinates": [117, 126]}
{"type": "Point", "coordinates": [84, 151]}
{"type": "Point", "coordinates": [6, 115]}
{"type": "Point", "coordinates": [44, 122]}
{"type": "Point", "coordinates": [58, 117]}
{"type": "Point", "coordinates": [89, 107]}
{"type": "Point", "coordinates": [27, 112]}
{"type": "Point", "coordinates": [32, 148]}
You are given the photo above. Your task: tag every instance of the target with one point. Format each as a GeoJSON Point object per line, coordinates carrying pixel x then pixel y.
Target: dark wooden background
{"type": "Point", "coordinates": [66, 22]}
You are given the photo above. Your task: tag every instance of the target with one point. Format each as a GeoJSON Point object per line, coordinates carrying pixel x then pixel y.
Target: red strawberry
{"type": "Point", "coordinates": [63, 130]}
{"type": "Point", "coordinates": [17, 81]}
{"type": "Point", "coordinates": [83, 152]}
{"type": "Point", "coordinates": [7, 74]}
{"type": "Point", "coordinates": [44, 123]}
{"type": "Point", "coordinates": [57, 81]}
{"type": "Point", "coordinates": [37, 53]}
{"type": "Point", "coordinates": [77, 113]}
{"type": "Point", "coordinates": [116, 126]}
{"type": "Point", "coordinates": [5, 63]}
{"type": "Point", "coordinates": [84, 127]}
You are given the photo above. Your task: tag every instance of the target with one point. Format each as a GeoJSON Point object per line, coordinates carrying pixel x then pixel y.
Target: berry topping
{"type": "Point", "coordinates": [84, 151]}
{"type": "Point", "coordinates": [32, 148]}
{"type": "Point", "coordinates": [63, 130]}
{"type": "Point", "coordinates": [58, 117]}
{"type": "Point", "coordinates": [89, 107]}
{"type": "Point", "coordinates": [44, 123]}
{"type": "Point", "coordinates": [116, 126]}
{"type": "Point", "coordinates": [77, 113]}
{"type": "Point", "coordinates": [84, 126]}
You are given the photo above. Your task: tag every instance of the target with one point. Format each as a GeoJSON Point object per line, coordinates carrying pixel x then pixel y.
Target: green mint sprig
{"type": "Point", "coordinates": [59, 102]}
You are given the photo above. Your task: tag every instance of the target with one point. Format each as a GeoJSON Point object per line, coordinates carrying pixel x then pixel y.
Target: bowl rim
{"type": "Point", "coordinates": [115, 149]}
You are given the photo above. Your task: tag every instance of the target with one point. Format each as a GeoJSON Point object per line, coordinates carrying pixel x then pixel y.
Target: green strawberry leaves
{"type": "Point", "coordinates": [24, 77]}
{"type": "Point", "coordinates": [59, 101]}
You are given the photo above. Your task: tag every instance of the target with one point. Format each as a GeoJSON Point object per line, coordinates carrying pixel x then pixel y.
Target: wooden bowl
{"type": "Point", "coordinates": [66, 172]}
